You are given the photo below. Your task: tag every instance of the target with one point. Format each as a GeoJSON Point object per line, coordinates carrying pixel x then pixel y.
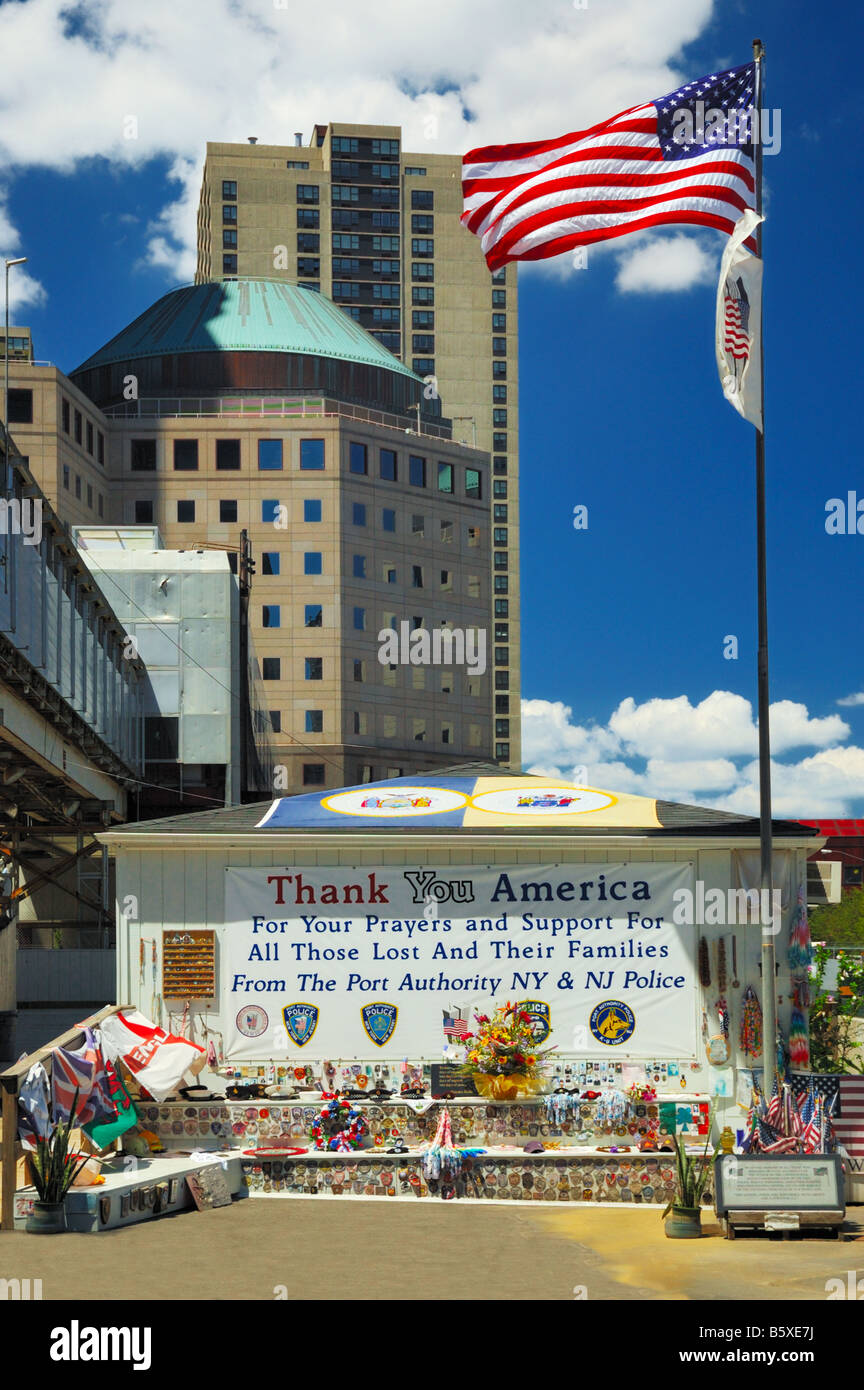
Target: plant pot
{"type": "Point", "coordinates": [46, 1219]}
{"type": "Point", "coordinates": [684, 1223]}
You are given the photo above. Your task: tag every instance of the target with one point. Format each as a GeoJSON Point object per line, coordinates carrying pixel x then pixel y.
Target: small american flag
{"type": "Point", "coordinates": [811, 1137]}
{"type": "Point", "coordinates": [684, 158]}
{"type": "Point", "coordinates": [455, 1024]}
{"type": "Point", "coordinates": [849, 1125]}
{"type": "Point", "coordinates": [772, 1114]}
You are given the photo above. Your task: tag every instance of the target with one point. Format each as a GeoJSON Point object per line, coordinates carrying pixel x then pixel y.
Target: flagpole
{"type": "Point", "coordinates": [769, 981]}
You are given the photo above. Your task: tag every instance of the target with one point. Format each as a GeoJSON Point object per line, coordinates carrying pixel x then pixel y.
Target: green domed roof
{"type": "Point", "coordinates": [246, 316]}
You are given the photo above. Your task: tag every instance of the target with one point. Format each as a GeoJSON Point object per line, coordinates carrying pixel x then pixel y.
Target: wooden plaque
{"type": "Point", "coordinates": [188, 964]}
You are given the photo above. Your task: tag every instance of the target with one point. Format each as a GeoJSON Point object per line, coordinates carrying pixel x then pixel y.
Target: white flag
{"type": "Point", "coordinates": [738, 334]}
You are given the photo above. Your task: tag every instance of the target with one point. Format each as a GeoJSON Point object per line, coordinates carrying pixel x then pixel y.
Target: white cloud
{"type": "Point", "coordinates": [224, 69]}
{"type": "Point", "coordinates": [702, 754]}
{"type": "Point", "coordinates": [666, 263]}
{"type": "Point", "coordinates": [852, 699]}
{"type": "Point", "coordinates": [24, 289]}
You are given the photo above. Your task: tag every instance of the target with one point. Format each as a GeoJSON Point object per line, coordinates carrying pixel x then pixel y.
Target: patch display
{"type": "Point", "coordinates": [300, 1021]}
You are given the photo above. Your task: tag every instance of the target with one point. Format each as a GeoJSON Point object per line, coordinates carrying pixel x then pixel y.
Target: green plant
{"type": "Point", "coordinates": [691, 1175]}
{"type": "Point", "coordinates": [834, 1014]}
{"type": "Point", "coordinates": [54, 1168]}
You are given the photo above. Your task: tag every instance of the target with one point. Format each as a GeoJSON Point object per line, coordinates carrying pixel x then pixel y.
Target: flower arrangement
{"type": "Point", "coordinates": [338, 1127]}
{"type": "Point", "coordinates": [504, 1047]}
{"type": "Point", "coordinates": [641, 1092]}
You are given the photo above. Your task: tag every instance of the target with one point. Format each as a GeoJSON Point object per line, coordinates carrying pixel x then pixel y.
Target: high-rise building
{"type": "Point", "coordinates": [377, 229]}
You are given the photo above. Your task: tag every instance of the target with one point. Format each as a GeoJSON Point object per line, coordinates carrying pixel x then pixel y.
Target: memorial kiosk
{"type": "Point", "coordinates": [344, 941]}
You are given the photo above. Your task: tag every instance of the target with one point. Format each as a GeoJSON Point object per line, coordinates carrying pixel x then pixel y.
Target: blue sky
{"type": "Point", "coordinates": [623, 624]}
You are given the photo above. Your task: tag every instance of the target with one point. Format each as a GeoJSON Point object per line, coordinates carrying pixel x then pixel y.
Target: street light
{"type": "Point", "coordinates": [15, 260]}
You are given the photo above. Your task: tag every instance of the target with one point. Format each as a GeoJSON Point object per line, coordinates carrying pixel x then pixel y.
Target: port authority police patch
{"type": "Point", "coordinates": [300, 1021]}
{"type": "Point", "coordinates": [541, 1026]}
{"type": "Point", "coordinates": [612, 1022]}
{"type": "Point", "coordinates": [379, 1020]}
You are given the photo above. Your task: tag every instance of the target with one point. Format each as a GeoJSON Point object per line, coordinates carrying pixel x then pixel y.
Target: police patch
{"type": "Point", "coordinates": [612, 1022]}
{"type": "Point", "coordinates": [300, 1021]}
{"type": "Point", "coordinates": [541, 1026]}
{"type": "Point", "coordinates": [379, 1020]}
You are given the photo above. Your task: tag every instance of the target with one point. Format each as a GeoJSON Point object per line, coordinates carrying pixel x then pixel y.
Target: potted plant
{"type": "Point", "coordinates": [54, 1171]}
{"type": "Point", "coordinates": [685, 1221]}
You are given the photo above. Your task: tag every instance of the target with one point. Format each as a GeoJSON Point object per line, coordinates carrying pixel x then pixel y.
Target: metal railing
{"type": "Point", "coordinates": [266, 406]}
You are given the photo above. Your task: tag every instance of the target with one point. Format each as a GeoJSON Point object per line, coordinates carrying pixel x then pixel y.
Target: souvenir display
{"type": "Point", "coordinates": [750, 1034]}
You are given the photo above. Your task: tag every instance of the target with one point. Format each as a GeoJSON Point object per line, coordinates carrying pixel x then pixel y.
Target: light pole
{"type": "Point", "coordinates": [16, 260]}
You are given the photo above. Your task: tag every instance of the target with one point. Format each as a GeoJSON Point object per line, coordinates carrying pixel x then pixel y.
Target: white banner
{"type": "Point", "coordinates": [351, 962]}
{"type": "Point", "coordinates": [738, 328]}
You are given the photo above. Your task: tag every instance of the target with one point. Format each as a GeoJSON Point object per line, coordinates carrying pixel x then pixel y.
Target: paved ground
{"type": "Point", "coordinates": [371, 1251]}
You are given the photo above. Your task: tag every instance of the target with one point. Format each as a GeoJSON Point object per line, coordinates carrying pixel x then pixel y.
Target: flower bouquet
{"type": "Point", "coordinates": [504, 1056]}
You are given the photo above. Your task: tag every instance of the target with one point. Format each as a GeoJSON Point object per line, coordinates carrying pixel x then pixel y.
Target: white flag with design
{"type": "Point", "coordinates": [738, 336]}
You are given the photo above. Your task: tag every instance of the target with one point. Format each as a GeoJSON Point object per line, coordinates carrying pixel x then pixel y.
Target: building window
{"type": "Point", "coordinates": [308, 217]}
{"type": "Point", "coordinates": [308, 241]}
{"type": "Point", "coordinates": [270, 510]}
{"type": "Point", "coordinates": [20, 410]}
{"type": "Point", "coordinates": [387, 465]}
{"type": "Point", "coordinates": [142, 456]}
{"type": "Point", "coordinates": [344, 144]}
{"type": "Point", "coordinates": [359, 668]}
{"type": "Point", "coordinates": [312, 453]}
{"type": "Point", "coordinates": [502, 680]}
{"type": "Point", "coordinates": [499, 347]}
{"type": "Point", "coordinates": [416, 576]}
{"type": "Point", "coordinates": [359, 567]}
{"type": "Point", "coordinates": [499, 276]}
{"type": "Point", "coordinates": [90, 496]}
{"type": "Point", "coordinates": [417, 471]}
{"type": "Point", "coordinates": [101, 501]}
{"type": "Point", "coordinates": [271, 668]}
{"type": "Point", "coordinates": [314, 721]}
{"type": "Point", "coordinates": [312, 562]}
{"type": "Point", "coordinates": [423, 342]}
{"type": "Point", "coordinates": [418, 527]}
{"type": "Point", "coordinates": [499, 488]}
{"type": "Point", "coordinates": [307, 193]}
{"type": "Point", "coordinates": [229, 190]}
{"type": "Point", "coordinates": [499, 464]}
{"type": "Point", "coordinates": [422, 199]}
{"type": "Point", "coordinates": [65, 415]}
{"type": "Point", "coordinates": [313, 615]}
{"type": "Point", "coordinates": [269, 455]}
{"type": "Point", "coordinates": [185, 455]}
{"type": "Point", "coordinates": [314, 668]}
{"type": "Point", "coordinates": [185, 510]}
{"type": "Point", "coordinates": [359, 619]}
{"type": "Point", "coordinates": [79, 422]}
{"type": "Point", "coordinates": [227, 454]}
{"type": "Point", "coordinates": [422, 222]}
{"type": "Point", "coordinates": [229, 264]}
{"type": "Point", "coordinates": [418, 730]}
{"type": "Point", "coordinates": [360, 725]}
{"type": "Point", "coordinates": [499, 370]}
{"type": "Point", "coordinates": [227, 510]}
{"type": "Point", "coordinates": [502, 751]}
{"type": "Point", "coordinates": [500, 559]}
{"type": "Point", "coordinates": [502, 608]}
{"type": "Point", "coordinates": [423, 366]}
{"type": "Point", "coordinates": [423, 318]}
{"type": "Point", "coordinates": [472, 585]}
{"type": "Point", "coordinates": [499, 441]}
{"type": "Point", "coordinates": [313, 774]}
{"type": "Point", "coordinates": [311, 509]}
{"type": "Point", "coordinates": [143, 511]}
{"type": "Point", "coordinates": [89, 434]}
{"type": "Point", "coordinates": [422, 270]}
{"type": "Point", "coordinates": [271, 615]}
{"type": "Point", "coordinates": [66, 476]}
{"type": "Point", "coordinates": [423, 294]}
{"type": "Point", "coordinates": [499, 395]}
{"type": "Point", "coordinates": [358, 514]}
{"type": "Point", "coordinates": [310, 266]}
{"type": "Point", "coordinates": [388, 574]}
{"type": "Point", "coordinates": [276, 721]}
{"type": "Point", "coordinates": [422, 246]}
{"type": "Point", "coordinates": [499, 418]}
{"type": "Point", "coordinates": [473, 484]}
{"type": "Point", "coordinates": [446, 532]}
{"type": "Point", "coordinates": [100, 448]}
{"type": "Point", "coordinates": [270, 562]}
{"type": "Point", "coordinates": [502, 584]}
{"type": "Point", "coordinates": [445, 477]}
{"type": "Point", "coordinates": [499, 299]}
{"type": "Point", "coordinates": [388, 519]}
{"type": "Point", "coordinates": [357, 458]}
{"type": "Point", "coordinates": [229, 212]}
{"type": "Point", "coordinates": [499, 535]}
{"type": "Point", "coordinates": [447, 581]}
{"type": "Point", "coordinates": [78, 485]}
{"type": "Point", "coordinates": [502, 632]}
{"type": "Point", "coordinates": [229, 238]}
{"type": "Point", "coordinates": [473, 534]}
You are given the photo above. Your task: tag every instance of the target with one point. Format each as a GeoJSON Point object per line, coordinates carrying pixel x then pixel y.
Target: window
{"type": "Point", "coordinates": [416, 576]}
{"type": "Point", "coordinates": [446, 733]}
{"type": "Point", "coordinates": [276, 721]}
{"type": "Point", "coordinates": [387, 465]}
{"type": "Point", "coordinates": [311, 509]}
{"type": "Point", "coordinates": [20, 410]}
{"type": "Point", "coordinates": [227, 509]}
{"type": "Point", "coordinates": [388, 519]}
{"type": "Point", "coordinates": [229, 212]}
{"type": "Point", "coordinates": [344, 144]}
{"type": "Point", "coordinates": [499, 488]}
{"type": "Point", "coordinates": [445, 477]}
{"type": "Point", "coordinates": [502, 704]}
{"type": "Point", "coordinates": [359, 566]}
{"type": "Point", "coordinates": [271, 668]}
{"type": "Point", "coordinates": [418, 730]}
{"type": "Point", "coordinates": [271, 615]}
{"type": "Point", "coordinates": [499, 372]}
{"type": "Point", "coordinates": [66, 476]}
{"type": "Point", "coordinates": [77, 485]}
{"type": "Point", "coordinates": [423, 342]}
{"type": "Point", "coordinates": [359, 619]}
{"type": "Point", "coordinates": [309, 266]}
{"type": "Point", "coordinates": [186, 455]}
{"type": "Point", "coordinates": [307, 193]}
{"type": "Point", "coordinates": [423, 294]}
{"type": "Point", "coordinates": [499, 347]}
{"type": "Point", "coordinates": [229, 238]}
{"type": "Point", "coordinates": [358, 514]}
{"type": "Point", "coordinates": [65, 415]}
{"type": "Point", "coordinates": [296, 163]}
{"type": "Point", "coordinates": [499, 441]}
{"type": "Point", "coordinates": [142, 456]}
{"type": "Point", "coordinates": [499, 511]}
{"type": "Point", "coordinates": [161, 739]}
{"type": "Point", "coordinates": [269, 455]}
{"type": "Point", "coordinates": [312, 562]}
{"type": "Point", "coordinates": [423, 366]}
{"type": "Point", "coordinates": [344, 193]}
{"type": "Point", "coordinates": [79, 421]}
{"type": "Point", "coordinates": [502, 584]}
{"type": "Point", "coordinates": [499, 276]}
{"type": "Point", "coordinates": [421, 222]}
{"type": "Point", "coordinates": [185, 511]}
{"type": "Point", "coordinates": [314, 721]}
{"type": "Point", "coordinates": [346, 241]}
{"type": "Point", "coordinates": [101, 505]}
{"type": "Point", "coordinates": [313, 774]}
{"type": "Point", "coordinates": [473, 536]}
{"type": "Point", "coordinates": [270, 562]}
{"type": "Point", "coordinates": [143, 511]}
{"type": "Point", "coordinates": [89, 427]}
{"type": "Point", "coordinates": [359, 669]}
{"type": "Point", "coordinates": [229, 264]}
{"type": "Point", "coordinates": [388, 340]}
{"type": "Point", "coordinates": [388, 148]}
{"type": "Point", "coordinates": [415, 171]}
{"type": "Point", "coordinates": [422, 270]}
{"type": "Point", "coordinates": [387, 244]}
{"type": "Point", "coordinates": [447, 581]}
{"type": "Point", "coordinates": [499, 463]}
{"type": "Point", "coordinates": [308, 241]}
{"type": "Point", "coordinates": [416, 471]}
{"type": "Point", "coordinates": [229, 190]}
{"type": "Point", "coordinates": [446, 532]}
{"type": "Point", "coordinates": [472, 585]}
{"type": "Point", "coordinates": [500, 559]}
{"type": "Point", "coordinates": [502, 608]}
{"type": "Point", "coordinates": [312, 453]}
{"type": "Point", "coordinates": [499, 299]}
{"type": "Point", "coordinates": [473, 483]}
{"type": "Point", "coordinates": [308, 217]}
{"type": "Point", "coordinates": [502, 680]}
{"type": "Point", "coordinates": [100, 448]}
{"type": "Point", "coordinates": [388, 574]}
{"type": "Point", "coordinates": [422, 199]}
{"type": "Point", "coordinates": [270, 511]}
{"type": "Point", "coordinates": [90, 498]}
{"type": "Point", "coordinates": [499, 395]}
{"type": "Point", "coordinates": [391, 292]}
{"type": "Point", "coordinates": [313, 615]}
{"type": "Point", "coordinates": [422, 246]}
{"type": "Point", "coordinates": [227, 454]}
{"type": "Point", "coordinates": [422, 318]}
{"type": "Point", "coordinates": [418, 527]}
{"type": "Point", "coordinates": [357, 460]}
{"type": "Point", "coordinates": [499, 535]}
{"type": "Point", "coordinates": [314, 668]}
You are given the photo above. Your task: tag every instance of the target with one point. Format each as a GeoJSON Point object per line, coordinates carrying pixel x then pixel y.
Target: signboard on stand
{"type": "Point", "coordinates": [351, 962]}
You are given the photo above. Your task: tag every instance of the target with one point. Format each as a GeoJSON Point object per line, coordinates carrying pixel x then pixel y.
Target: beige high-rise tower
{"type": "Point", "coordinates": [377, 230]}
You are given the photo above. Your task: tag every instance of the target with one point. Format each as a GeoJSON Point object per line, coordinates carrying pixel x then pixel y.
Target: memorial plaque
{"type": "Point", "coordinates": [781, 1183]}
{"type": "Point", "coordinates": [450, 1078]}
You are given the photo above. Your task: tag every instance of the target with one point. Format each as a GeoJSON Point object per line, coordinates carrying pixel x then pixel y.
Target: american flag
{"type": "Point", "coordinates": [811, 1137]}
{"type": "Point", "coordinates": [772, 1114]}
{"type": "Point", "coordinates": [538, 199]}
{"type": "Point", "coordinates": [849, 1125]}
{"type": "Point", "coordinates": [455, 1025]}
{"type": "Point", "coordinates": [736, 321]}
{"type": "Point", "coordinates": [772, 1143]}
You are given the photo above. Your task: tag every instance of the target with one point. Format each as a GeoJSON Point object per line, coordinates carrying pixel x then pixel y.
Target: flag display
{"type": "Point", "coordinates": [849, 1125]}
{"type": "Point", "coordinates": [455, 1024]}
{"type": "Point", "coordinates": [739, 322]}
{"type": "Point", "coordinates": [685, 158]}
